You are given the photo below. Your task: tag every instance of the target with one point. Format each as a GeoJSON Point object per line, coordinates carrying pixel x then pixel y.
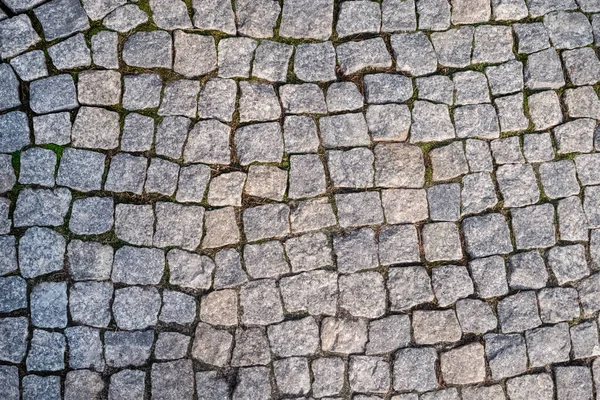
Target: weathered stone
{"type": "Point", "coordinates": [190, 270]}
{"type": "Point", "coordinates": [149, 50]}
{"type": "Point", "coordinates": [414, 52]}
{"type": "Point", "coordinates": [136, 307]}
{"type": "Point", "coordinates": [61, 18]}
{"type": "Point", "coordinates": [124, 349]}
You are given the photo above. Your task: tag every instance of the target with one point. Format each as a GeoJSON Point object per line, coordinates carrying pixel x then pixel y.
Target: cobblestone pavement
{"type": "Point", "coordinates": [258, 199]}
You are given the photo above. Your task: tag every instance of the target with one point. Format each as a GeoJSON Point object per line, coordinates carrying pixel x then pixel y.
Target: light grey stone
{"type": "Point", "coordinates": [266, 221]}
{"type": "Point", "coordinates": [518, 312]}
{"type": "Point", "coordinates": [531, 37]}
{"type": "Point", "coordinates": [572, 222]}
{"type": "Point", "coordinates": [538, 147]}
{"type": "Point", "coordinates": [356, 56]}
{"type": "Point", "coordinates": [352, 168]}
{"type": "Point", "coordinates": [575, 136]}
{"type": "Point", "coordinates": [71, 53]}
{"type": "Point", "coordinates": [30, 66]}
{"type": "Point", "coordinates": [464, 365]}
{"type": "Point", "coordinates": [180, 97]}
{"type": "Point", "coordinates": [41, 251]}
{"type": "Point", "coordinates": [311, 215]}
{"type": "Point", "coordinates": [544, 70]}
{"type": "Point", "coordinates": [61, 18]}
{"type": "Point", "coordinates": [51, 94]}
{"type": "Point", "coordinates": [89, 260]}
{"type": "Point", "coordinates": [125, 18]}
{"type": "Point", "coordinates": [302, 99]}
{"type": "Point", "coordinates": [535, 387]}
{"type": "Point", "coordinates": [257, 18]}
{"type": "Point", "coordinates": [408, 287]}
{"type": "Point", "coordinates": [413, 52]}
{"type": "Point", "coordinates": [301, 337]}
{"type": "Point", "coordinates": [475, 316]}
{"type": "Point", "coordinates": [214, 15]}
{"type": "Point", "coordinates": [259, 143]}
{"type": "Point", "coordinates": [448, 162]}
{"type": "Point", "coordinates": [450, 283]}
{"type": "Point", "coordinates": [574, 382]}
{"type": "Point", "coordinates": [414, 369]}
{"type": "Point", "coordinates": [44, 207]}
{"type": "Point", "coordinates": [171, 346]}
{"type": "Point", "coordinates": [136, 307]}
{"type": "Point", "coordinates": [211, 346]}
{"type": "Point", "coordinates": [486, 235]}
{"type": "Point", "coordinates": [271, 59]}
{"type": "Point", "coordinates": [123, 349]}
{"type": "Point", "coordinates": [96, 127]}
{"type": "Point", "coordinates": [343, 96]}
{"type": "Point", "coordinates": [558, 304]}
{"type": "Point", "coordinates": [170, 14]}
{"type": "Point", "coordinates": [436, 88]}
{"type": "Point", "coordinates": [138, 133]}
{"type": "Point", "coordinates": [261, 303]}
{"type": "Point", "coordinates": [527, 271]}
{"type": "Point", "coordinates": [582, 102]}
{"type": "Point", "coordinates": [178, 225]}
{"type": "Point", "coordinates": [404, 205]}
{"type": "Point", "coordinates": [578, 34]}
{"type": "Point", "coordinates": [568, 263]}
{"type": "Point", "coordinates": [357, 17]}
{"type": "Point", "coordinates": [315, 62]}
{"type": "Point", "coordinates": [37, 167]}
{"type": "Point", "coordinates": [453, 47]}
{"type": "Point", "coordinates": [13, 294]}
{"type": "Point", "coordinates": [492, 44]}
{"type": "Point", "coordinates": [292, 376]}
{"type": "Point", "coordinates": [558, 179]}
{"type": "Point", "coordinates": [104, 49]}
{"type": "Point", "coordinates": [253, 382]}
{"type": "Point", "coordinates": [235, 57]}
{"type": "Point", "coordinates": [127, 385]}
{"type": "Point", "coordinates": [343, 335]}
{"type": "Point", "coordinates": [161, 177]}
{"type": "Point", "coordinates": [195, 55]}
{"type": "Point", "coordinates": [441, 242]}
{"type": "Point", "coordinates": [14, 339]}
{"type": "Point", "coordinates": [344, 130]}
{"type": "Point", "coordinates": [362, 294]}
{"type": "Point", "coordinates": [509, 10]}
{"type": "Point", "coordinates": [85, 348]}
{"type": "Point", "coordinates": [300, 134]}
{"type": "Point", "coordinates": [430, 123]}
{"type": "Point", "coordinates": [149, 50]}
{"type": "Point", "coordinates": [301, 19]}
{"type": "Point", "coordinates": [533, 226]}
{"type": "Point", "coordinates": [138, 266]}
{"type": "Point", "coordinates": [398, 244]}
{"type": "Point", "coordinates": [217, 99]}
{"type": "Point", "coordinates": [18, 35]}
{"type": "Point", "coordinates": [173, 380]}
{"type": "Point", "coordinates": [359, 209]}
{"type": "Point", "coordinates": [265, 260]}
{"type": "Point", "coordinates": [89, 303]}
{"type": "Point", "coordinates": [35, 386]}
{"type": "Point", "coordinates": [433, 15]}
{"type": "Point", "coordinates": [582, 66]}
{"type": "Point", "coordinates": [328, 375]}
{"type": "Point", "coordinates": [178, 308]}
{"type": "Point", "coordinates": [476, 121]}
{"type": "Point", "coordinates": [126, 173]}
{"type": "Point", "coordinates": [46, 352]}
{"type": "Point", "coordinates": [506, 354]}
{"type": "Point", "coordinates": [141, 91]}
{"type": "Point", "coordinates": [444, 202]}
{"type": "Point", "coordinates": [49, 305]}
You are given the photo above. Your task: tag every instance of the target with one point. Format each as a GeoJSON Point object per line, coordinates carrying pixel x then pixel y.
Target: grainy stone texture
{"type": "Point", "coordinates": [269, 199]}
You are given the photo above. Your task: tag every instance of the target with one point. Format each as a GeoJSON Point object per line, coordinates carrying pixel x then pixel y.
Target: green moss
{"type": "Point", "coordinates": [16, 161]}
{"type": "Point", "coordinates": [55, 148]}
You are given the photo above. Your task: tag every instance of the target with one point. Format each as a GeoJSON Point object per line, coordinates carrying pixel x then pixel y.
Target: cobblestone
{"type": "Point", "coordinates": [302, 198]}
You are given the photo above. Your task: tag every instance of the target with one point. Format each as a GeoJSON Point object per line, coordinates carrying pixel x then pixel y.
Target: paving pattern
{"type": "Point", "coordinates": [258, 199]}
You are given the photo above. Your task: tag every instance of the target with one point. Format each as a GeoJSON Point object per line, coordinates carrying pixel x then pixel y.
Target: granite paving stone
{"type": "Point", "coordinates": [268, 199]}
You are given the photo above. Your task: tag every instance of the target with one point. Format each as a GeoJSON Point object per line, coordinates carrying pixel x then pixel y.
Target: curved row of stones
{"type": "Point", "coordinates": [207, 200]}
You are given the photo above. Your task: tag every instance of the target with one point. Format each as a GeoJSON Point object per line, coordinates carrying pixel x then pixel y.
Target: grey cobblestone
{"type": "Point", "coordinates": [299, 198]}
